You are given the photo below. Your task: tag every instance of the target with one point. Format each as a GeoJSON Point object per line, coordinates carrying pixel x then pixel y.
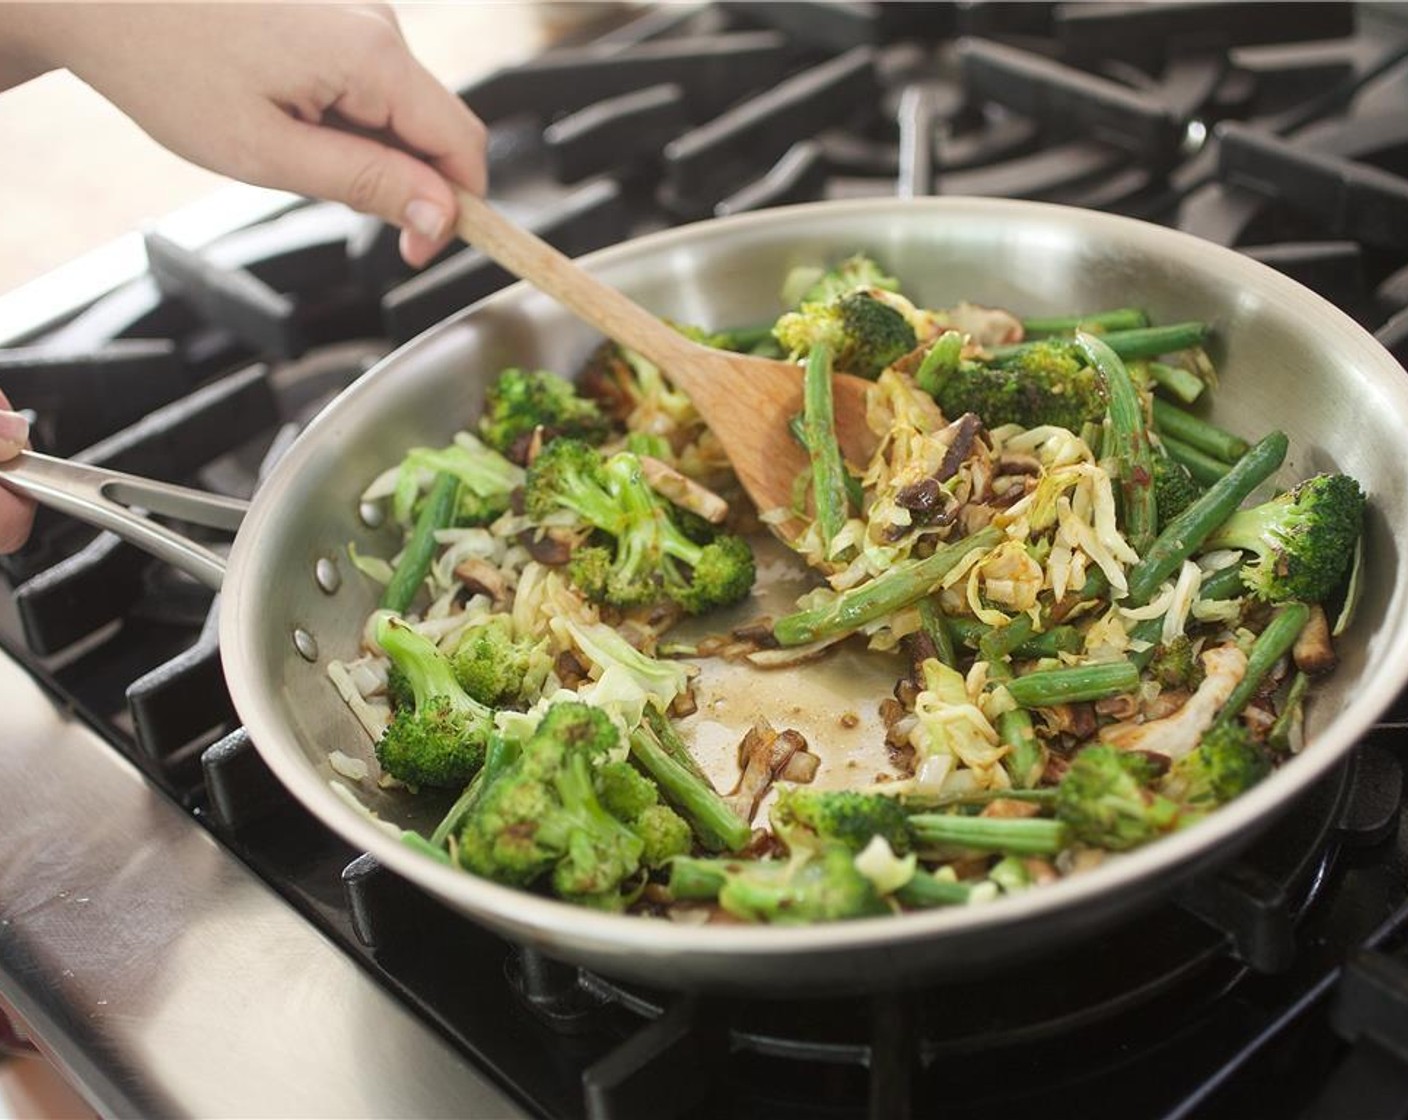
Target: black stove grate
{"type": "Point", "coordinates": [1278, 130]}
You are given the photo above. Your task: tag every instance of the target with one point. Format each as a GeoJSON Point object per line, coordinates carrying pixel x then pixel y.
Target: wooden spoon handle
{"type": "Point", "coordinates": [530, 257]}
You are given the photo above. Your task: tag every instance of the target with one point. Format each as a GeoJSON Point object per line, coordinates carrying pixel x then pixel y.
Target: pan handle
{"type": "Point", "coordinates": [102, 498]}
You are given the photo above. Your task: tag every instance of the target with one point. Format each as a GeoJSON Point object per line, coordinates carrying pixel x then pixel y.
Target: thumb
{"type": "Point", "coordinates": [368, 176]}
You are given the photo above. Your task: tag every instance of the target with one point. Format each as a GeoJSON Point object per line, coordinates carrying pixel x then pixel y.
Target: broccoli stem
{"type": "Point", "coordinates": [1170, 420]}
{"type": "Point", "coordinates": [1182, 536]}
{"type": "Point", "coordinates": [1183, 384]}
{"type": "Point", "coordinates": [828, 468]}
{"type": "Point", "coordinates": [1047, 687]}
{"type": "Point", "coordinates": [1203, 467]}
{"type": "Point", "coordinates": [940, 362]}
{"type": "Point", "coordinates": [1272, 644]}
{"type": "Point", "coordinates": [437, 513]}
{"type": "Point", "coordinates": [425, 847]}
{"type": "Point", "coordinates": [926, 890]}
{"type": "Point", "coordinates": [888, 592]}
{"type": "Point", "coordinates": [1127, 442]}
{"type": "Point", "coordinates": [936, 627]}
{"type": "Point", "coordinates": [1049, 643]}
{"type": "Point", "coordinates": [696, 879]}
{"type": "Point", "coordinates": [1120, 319]}
{"type": "Point", "coordinates": [670, 741]}
{"type": "Point", "coordinates": [500, 754]}
{"type": "Point", "coordinates": [718, 827]}
{"type": "Point", "coordinates": [1025, 758]}
{"type": "Point", "coordinates": [1029, 836]}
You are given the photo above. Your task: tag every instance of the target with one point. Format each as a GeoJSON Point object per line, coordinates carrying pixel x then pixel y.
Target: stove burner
{"type": "Point", "coordinates": [1276, 130]}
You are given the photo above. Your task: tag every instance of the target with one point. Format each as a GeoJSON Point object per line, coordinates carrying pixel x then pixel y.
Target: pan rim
{"type": "Point", "coordinates": [579, 930]}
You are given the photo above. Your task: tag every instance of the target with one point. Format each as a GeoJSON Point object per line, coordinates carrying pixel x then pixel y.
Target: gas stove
{"type": "Point", "coordinates": [181, 937]}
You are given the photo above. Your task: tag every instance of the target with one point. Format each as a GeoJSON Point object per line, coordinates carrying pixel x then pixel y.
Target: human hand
{"type": "Point", "coordinates": [326, 101]}
{"type": "Point", "coordinates": [16, 513]}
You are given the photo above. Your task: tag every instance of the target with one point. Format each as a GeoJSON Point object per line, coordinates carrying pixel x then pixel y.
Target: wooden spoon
{"type": "Point", "coordinates": [746, 401]}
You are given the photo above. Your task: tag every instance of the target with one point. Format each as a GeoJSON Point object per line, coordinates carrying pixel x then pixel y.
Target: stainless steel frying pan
{"type": "Point", "coordinates": [1288, 359]}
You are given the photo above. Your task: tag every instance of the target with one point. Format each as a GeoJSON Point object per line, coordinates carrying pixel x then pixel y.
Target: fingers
{"type": "Point", "coordinates": [16, 513]}
{"type": "Point", "coordinates": [366, 175]}
{"type": "Point", "coordinates": [14, 431]}
{"type": "Point", "coordinates": [433, 121]}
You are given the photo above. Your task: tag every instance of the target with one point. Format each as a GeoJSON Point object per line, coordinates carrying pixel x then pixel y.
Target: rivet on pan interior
{"type": "Point", "coordinates": [326, 575]}
{"type": "Point", "coordinates": [371, 514]}
{"type": "Point", "coordinates": [306, 644]}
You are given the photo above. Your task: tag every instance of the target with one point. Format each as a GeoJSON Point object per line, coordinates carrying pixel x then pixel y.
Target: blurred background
{"type": "Point", "coordinates": [82, 173]}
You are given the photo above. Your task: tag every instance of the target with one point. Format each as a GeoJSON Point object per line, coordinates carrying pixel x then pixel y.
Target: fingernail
{"type": "Point", "coordinates": [14, 433]}
{"type": "Point", "coordinates": [427, 219]}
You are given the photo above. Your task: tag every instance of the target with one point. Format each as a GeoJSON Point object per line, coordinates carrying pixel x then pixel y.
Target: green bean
{"type": "Point", "coordinates": [1049, 643]}
{"type": "Point", "coordinates": [1030, 836]}
{"type": "Point", "coordinates": [1144, 342]}
{"type": "Point", "coordinates": [819, 424]}
{"type": "Point", "coordinates": [1047, 687]}
{"type": "Point", "coordinates": [1182, 383]}
{"type": "Point", "coordinates": [1150, 342]}
{"type": "Point", "coordinates": [1204, 468]}
{"type": "Point", "coordinates": [1182, 536]}
{"type": "Point", "coordinates": [935, 625]}
{"type": "Point", "coordinates": [888, 592]}
{"type": "Point", "coordinates": [1120, 319]}
{"type": "Point", "coordinates": [1128, 442]}
{"type": "Point", "coordinates": [926, 890]}
{"type": "Point", "coordinates": [855, 492]}
{"type": "Point", "coordinates": [1225, 583]}
{"type": "Point", "coordinates": [1270, 646]}
{"type": "Point", "coordinates": [1025, 758]}
{"type": "Point", "coordinates": [500, 754]}
{"type": "Point", "coordinates": [437, 513]}
{"type": "Point", "coordinates": [1280, 734]}
{"type": "Point", "coordinates": [1183, 426]}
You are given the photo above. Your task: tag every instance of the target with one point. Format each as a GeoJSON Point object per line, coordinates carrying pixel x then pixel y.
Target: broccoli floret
{"type": "Point", "coordinates": [521, 401]}
{"type": "Point", "coordinates": [1105, 800]}
{"type": "Point", "coordinates": [812, 887]}
{"type": "Point", "coordinates": [647, 557]}
{"type": "Point", "coordinates": [1045, 383]}
{"type": "Point", "coordinates": [863, 331]}
{"type": "Point", "coordinates": [542, 816]}
{"type": "Point", "coordinates": [1303, 539]}
{"type": "Point", "coordinates": [844, 816]}
{"type": "Point", "coordinates": [438, 739]}
{"type": "Point", "coordinates": [625, 791]}
{"type": "Point", "coordinates": [492, 666]}
{"type": "Point", "coordinates": [809, 284]}
{"type": "Point", "coordinates": [398, 687]}
{"type": "Point", "coordinates": [632, 798]}
{"type": "Point", "coordinates": [1175, 489]}
{"type": "Point", "coordinates": [1176, 665]}
{"type": "Point", "coordinates": [1227, 762]}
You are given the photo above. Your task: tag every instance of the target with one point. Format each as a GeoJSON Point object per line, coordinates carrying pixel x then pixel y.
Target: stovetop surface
{"type": "Point", "coordinates": [168, 914]}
